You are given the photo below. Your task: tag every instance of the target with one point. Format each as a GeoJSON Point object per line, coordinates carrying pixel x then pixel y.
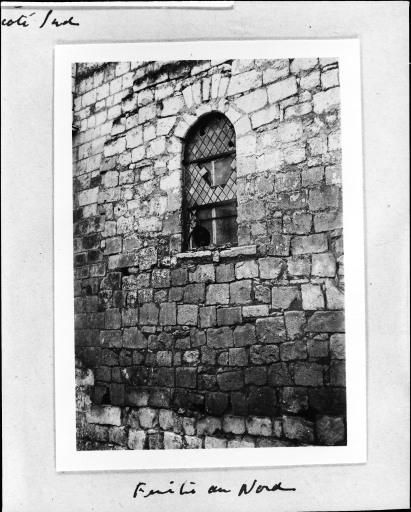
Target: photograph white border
{"type": "Point", "coordinates": [67, 457]}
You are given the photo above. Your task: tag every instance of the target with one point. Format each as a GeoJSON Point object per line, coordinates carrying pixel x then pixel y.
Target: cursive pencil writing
{"type": "Point", "coordinates": [39, 20]}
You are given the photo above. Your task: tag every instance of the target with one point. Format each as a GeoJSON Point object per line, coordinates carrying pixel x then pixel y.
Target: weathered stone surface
{"type": "Point", "coordinates": [166, 419]}
{"type": "Point", "coordinates": [334, 296]}
{"type": "Point", "coordinates": [228, 316]}
{"type": "Point", "coordinates": [294, 400]}
{"type": "Point", "coordinates": [136, 439]}
{"type": "Point", "coordinates": [280, 244]}
{"type": "Point", "coordinates": [256, 311]}
{"type": "Point", "coordinates": [194, 293]}
{"type": "Point", "coordinates": [216, 403]}
{"type": "Point", "coordinates": [237, 357]}
{"type": "Point", "coordinates": [323, 265]}
{"type": "Point", "coordinates": [270, 268]}
{"type": "Point", "coordinates": [209, 425]}
{"type": "Point", "coordinates": [337, 346]}
{"type": "Point", "coordinates": [207, 316]}
{"type": "Point", "coordinates": [104, 415]}
{"type": "Point", "coordinates": [293, 350]}
{"type": "Point", "coordinates": [283, 297]}
{"type": "Point", "coordinates": [264, 354]}
{"type": "Point", "coordinates": [214, 442]}
{"type": "Point", "coordinates": [317, 348]}
{"type": "Point", "coordinates": [234, 425]}
{"type": "Point", "coordinates": [308, 244]}
{"type": "Point", "coordinates": [246, 269]}
{"type": "Point", "coordinates": [220, 338]}
{"type": "Point", "coordinates": [225, 273]}
{"type": "Point", "coordinates": [337, 373]}
{"type": "Point", "coordinates": [179, 277]}
{"type": "Point", "coordinates": [168, 313]}
{"type": "Point", "coordinates": [299, 266]}
{"type": "Point", "coordinates": [230, 381]}
{"type": "Point", "coordinates": [330, 430]}
{"type": "Point", "coordinates": [244, 335]}
{"type": "Point", "coordinates": [326, 321]}
{"type": "Point", "coordinates": [257, 376]}
{"type": "Point", "coordinates": [278, 69]}
{"type": "Point", "coordinates": [298, 429]}
{"type": "Point", "coordinates": [262, 401]}
{"type": "Point", "coordinates": [191, 357]}
{"type": "Point", "coordinates": [147, 417]}
{"type": "Point", "coordinates": [259, 426]}
{"type": "Point", "coordinates": [193, 442]}
{"type": "Point", "coordinates": [217, 294]}
{"type": "Point", "coordinates": [270, 330]}
{"type": "Point", "coordinates": [111, 339]}
{"type": "Point", "coordinates": [203, 274]}
{"type": "Point", "coordinates": [312, 296]}
{"type": "Point", "coordinates": [240, 292]}
{"type": "Point", "coordinates": [160, 278]}
{"type": "Point", "coordinates": [148, 314]}
{"type": "Point", "coordinates": [187, 314]}
{"type": "Point", "coordinates": [172, 441]}
{"type": "Point", "coordinates": [282, 89]}
{"type": "Point", "coordinates": [327, 100]}
{"type": "Point", "coordinates": [308, 374]}
{"type": "Point", "coordinates": [186, 377]}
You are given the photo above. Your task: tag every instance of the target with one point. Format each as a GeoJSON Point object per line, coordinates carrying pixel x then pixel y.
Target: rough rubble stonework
{"type": "Point", "coordinates": [228, 347]}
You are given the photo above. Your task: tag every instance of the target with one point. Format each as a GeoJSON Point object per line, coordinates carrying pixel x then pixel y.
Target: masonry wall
{"type": "Point", "coordinates": [232, 346]}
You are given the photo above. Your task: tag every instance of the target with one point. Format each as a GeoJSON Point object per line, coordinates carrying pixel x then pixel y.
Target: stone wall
{"type": "Point", "coordinates": [229, 346]}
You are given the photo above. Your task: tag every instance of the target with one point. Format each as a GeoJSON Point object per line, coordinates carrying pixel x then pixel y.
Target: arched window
{"type": "Point", "coordinates": [210, 190]}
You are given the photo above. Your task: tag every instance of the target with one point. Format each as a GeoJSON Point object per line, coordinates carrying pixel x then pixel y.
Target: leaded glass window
{"type": "Point", "coordinates": [210, 190]}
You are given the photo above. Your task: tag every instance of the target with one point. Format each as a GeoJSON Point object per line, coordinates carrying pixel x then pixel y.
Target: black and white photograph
{"type": "Point", "coordinates": [208, 254]}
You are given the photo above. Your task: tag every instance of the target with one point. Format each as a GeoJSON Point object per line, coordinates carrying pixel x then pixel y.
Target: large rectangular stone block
{"type": "Point", "coordinates": [244, 335]}
{"type": "Point", "coordinates": [240, 292]}
{"type": "Point", "coordinates": [217, 294]}
{"type": "Point", "coordinates": [228, 316]}
{"type": "Point", "coordinates": [220, 338]}
{"type": "Point", "coordinates": [104, 415]}
{"type": "Point", "coordinates": [270, 329]}
{"type": "Point", "coordinates": [187, 314]}
{"type": "Point", "coordinates": [194, 293]}
{"type": "Point", "coordinates": [309, 244]}
{"type": "Point", "coordinates": [149, 314]}
{"type": "Point", "coordinates": [326, 321]}
{"type": "Point", "coordinates": [230, 381]}
{"type": "Point", "coordinates": [308, 374]}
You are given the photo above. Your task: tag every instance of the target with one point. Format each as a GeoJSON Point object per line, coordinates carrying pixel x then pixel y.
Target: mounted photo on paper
{"type": "Point", "coordinates": [216, 296]}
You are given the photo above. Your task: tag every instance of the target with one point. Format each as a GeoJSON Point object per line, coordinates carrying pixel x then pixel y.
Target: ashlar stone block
{"type": "Point", "coordinates": [283, 297]}
{"type": "Point", "coordinates": [244, 335]}
{"type": "Point", "coordinates": [299, 429]}
{"type": "Point", "coordinates": [240, 292]}
{"type": "Point", "coordinates": [330, 430]}
{"type": "Point", "coordinates": [312, 297]}
{"type": "Point", "coordinates": [281, 90]}
{"type": "Point", "coordinates": [187, 314]}
{"type": "Point", "coordinates": [246, 269]}
{"type": "Point", "coordinates": [217, 294]}
{"type": "Point", "coordinates": [220, 338]}
{"type": "Point", "coordinates": [270, 329]}
{"type": "Point", "coordinates": [259, 426]}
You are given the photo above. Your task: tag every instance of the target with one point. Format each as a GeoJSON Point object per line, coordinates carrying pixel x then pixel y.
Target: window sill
{"type": "Point", "coordinates": [232, 252]}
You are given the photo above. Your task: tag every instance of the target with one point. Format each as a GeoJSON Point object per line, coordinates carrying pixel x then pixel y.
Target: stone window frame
{"type": "Point", "coordinates": [230, 202]}
{"type": "Point", "coordinates": [245, 155]}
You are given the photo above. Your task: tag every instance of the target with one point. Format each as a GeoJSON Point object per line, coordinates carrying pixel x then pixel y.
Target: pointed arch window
{"type": "Point", "coordinates": [210, 188]}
